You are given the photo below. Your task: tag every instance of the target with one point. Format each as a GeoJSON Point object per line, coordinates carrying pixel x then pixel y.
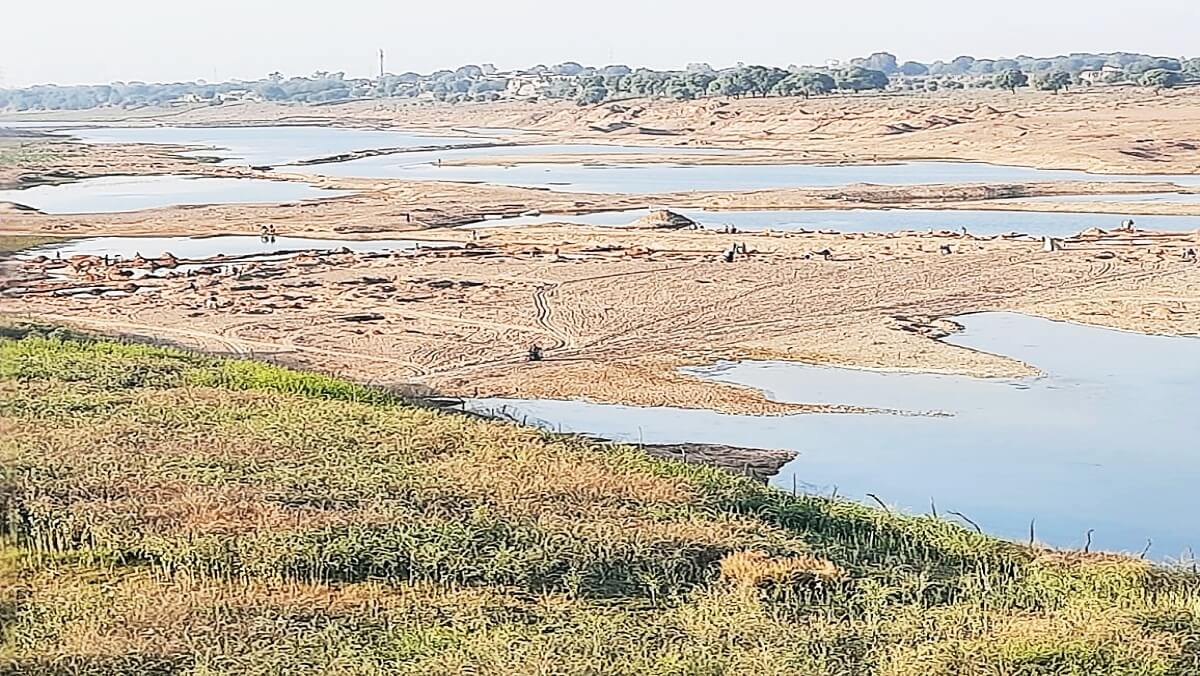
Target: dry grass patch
{"type": "Point", "coordinates": [759, 569]}
{"type": "Point", "coordinates": [176, 514]}
{"type": "Point", "coordinates": [532, 478]}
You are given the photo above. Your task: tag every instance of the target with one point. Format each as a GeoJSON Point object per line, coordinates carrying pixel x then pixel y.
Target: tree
{"type": "Point", "coordinates": [568, 68]}
{"type": "Point", "coordinates": [760, 80]}
{"type": "Point", "coordinates": [1010, 79]}
{"type": "Point", "coordinates": [1145, 64]}
{"type": "Point", "coordinates": [1160, 78]}
{"type": "Point", "coordinates": [272, 92]}
{"type": "Point", "coordinates": [983, 67]}
{"type": "Point", "coordinates": [1054, 81]}
{"type": "Point", "coordinates": [962, 64]}
{"type": "Point", "coordinates": [806, 84]}
{"type": "Point", "coordinates": [880, 61]}
{"type": "Point", "coordinates": [726, 84]}
{"type": "Point", "coordinates": [857, 78]}
{"type": "Point", "coordinates": [591, 94]}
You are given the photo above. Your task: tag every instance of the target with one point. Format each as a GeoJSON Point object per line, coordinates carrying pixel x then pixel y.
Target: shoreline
{"type": "Point", "coordinates": [457, 321]}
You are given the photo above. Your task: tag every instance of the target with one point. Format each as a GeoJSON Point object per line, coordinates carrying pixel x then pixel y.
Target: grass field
{"type": "Point", "coordinates": [173, 513]}
{"type": "Point", "coordinates": [11, 243]}
{"type": "Point", "coordinates": [14, 152]}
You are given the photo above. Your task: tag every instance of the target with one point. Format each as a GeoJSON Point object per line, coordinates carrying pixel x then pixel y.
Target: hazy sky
{"type": "Point", "coordinates": [92, 41]}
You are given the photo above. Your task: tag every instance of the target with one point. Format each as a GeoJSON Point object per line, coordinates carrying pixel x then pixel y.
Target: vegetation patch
{"type": "Point", "coordinates": [13, 243]}
{"type": "Point", "coordinates": [166, 512]}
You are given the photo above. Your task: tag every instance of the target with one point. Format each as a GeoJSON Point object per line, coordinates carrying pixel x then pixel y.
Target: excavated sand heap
{"type": "Point", "coordinates": [663, 219]}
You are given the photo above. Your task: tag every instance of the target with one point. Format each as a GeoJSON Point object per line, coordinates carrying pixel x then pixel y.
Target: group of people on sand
{"type": "Point", "coordinates": [266, 233]}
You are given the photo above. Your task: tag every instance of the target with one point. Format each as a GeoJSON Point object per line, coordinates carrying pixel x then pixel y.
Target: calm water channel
{"type": "Point", "coordinates": [112, 194]}
{"type": "Point", "coordinates": [1106, 439]}
{"type": "Point", "coordinates": [269, 145]}
{"type": "Point", "coordinates": [668, 177]}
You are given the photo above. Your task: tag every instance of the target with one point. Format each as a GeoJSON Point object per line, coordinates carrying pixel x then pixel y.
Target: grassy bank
{"type": "Point", "coordinates": [172, 513]}
{"type": "Point", "coordinates": [13, 243]}
{"type": "Point", "coordinates": [17, 151]}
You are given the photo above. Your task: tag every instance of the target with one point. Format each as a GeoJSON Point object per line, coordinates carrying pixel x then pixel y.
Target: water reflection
{"type": "Point", "coordinates": [269, 145]}
{"type": "Point", "coordinates": [669, 177]}
{"type": "Point", "coordinates": [132, 193]}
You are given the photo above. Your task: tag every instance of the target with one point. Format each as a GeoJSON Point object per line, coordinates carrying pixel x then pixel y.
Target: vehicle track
{"type": "Point", "coordinates": [544, 315]}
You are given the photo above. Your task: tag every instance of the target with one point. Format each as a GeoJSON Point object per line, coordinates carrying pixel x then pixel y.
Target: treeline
{"type": "Point", "coordinates": [469, 83]}
{"type": "Point", "coordinates": [1130, 64]}
{"type": "Point", "coordinates": [588, 85]}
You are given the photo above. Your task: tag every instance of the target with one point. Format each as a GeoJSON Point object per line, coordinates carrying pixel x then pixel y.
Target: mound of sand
{"type": "Point", "coordinates": [663, 219]}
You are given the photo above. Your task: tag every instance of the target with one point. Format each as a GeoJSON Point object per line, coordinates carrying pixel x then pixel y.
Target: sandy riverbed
{"type": "Point", "coordinates": [1110, 129]}
{"type": "Point", "coordinates": [619, 311]}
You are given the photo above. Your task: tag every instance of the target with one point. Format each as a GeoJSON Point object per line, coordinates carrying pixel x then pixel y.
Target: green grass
{"type": "Point", "coordinates": [166, 512]}
{"type": "Point", "coordinates": [13, 243]}
{"type": "Point", "coordinates": [15, 153]}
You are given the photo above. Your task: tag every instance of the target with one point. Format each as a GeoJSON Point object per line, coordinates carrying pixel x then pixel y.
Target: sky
{"type": "Point", "coordinates": [99, 41]}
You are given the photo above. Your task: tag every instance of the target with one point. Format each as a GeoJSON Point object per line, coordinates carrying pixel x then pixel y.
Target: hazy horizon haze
{"type": "Point", "coordinates": [128, 40]}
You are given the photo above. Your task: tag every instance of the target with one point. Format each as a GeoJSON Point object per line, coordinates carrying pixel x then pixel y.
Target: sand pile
{"type": "Point", "coordinates": [663, 219]}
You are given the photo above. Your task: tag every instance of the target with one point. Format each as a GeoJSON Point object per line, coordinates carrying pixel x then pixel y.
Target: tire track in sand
{"type": "Point", "coordinates": [544, 316]}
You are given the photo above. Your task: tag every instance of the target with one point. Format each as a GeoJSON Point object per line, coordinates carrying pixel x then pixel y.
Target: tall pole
{"type": "Point", "coordinates": [380, 64]}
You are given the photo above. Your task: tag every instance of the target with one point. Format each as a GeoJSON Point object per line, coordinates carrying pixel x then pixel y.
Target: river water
{"type": "Point", "coordinates": [114, 194]}
{"type": "Point", "coordinates": [662, 177]}
{"type": "Point", "coordinates": [1105, 439]}
{"type": "Point", "coordinates": [977, 221]}
{"type": "Point", "coordinates": [268, 145]}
